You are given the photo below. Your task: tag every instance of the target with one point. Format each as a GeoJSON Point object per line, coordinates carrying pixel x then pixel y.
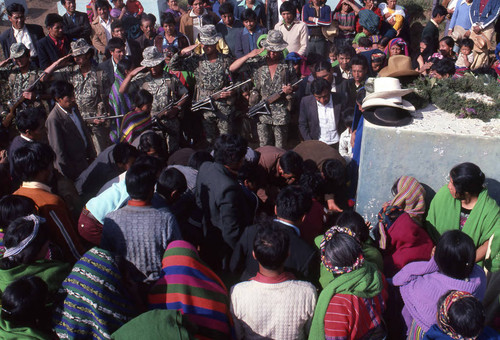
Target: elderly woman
{"type": "Point", "coordinates": [396, 46]}
{"type": "Point", "coordinates": [351, 305]}
{"type": "Point", "coordinates": [423, 283]}
{"type": "Point", "coordinates": [465, 205]}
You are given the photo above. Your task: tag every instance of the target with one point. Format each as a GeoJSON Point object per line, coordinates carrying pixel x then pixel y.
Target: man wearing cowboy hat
{"type": "Point", "coordinates": [165, 88]}
{"type": "Point", "coordinates": [21, 74]}
{"type": "Point", "coordinates": [90, 89]}
{"type": "Point", "coordinates": [211, 71]}
{"type": "Point", "coordinates": [271, 74]}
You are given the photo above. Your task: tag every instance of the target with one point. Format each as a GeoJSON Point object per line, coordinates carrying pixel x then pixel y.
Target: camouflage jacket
{"type": "Point", "coordinates": [89, 90]}
{"type": "Point", "coordinates": [164, 89]}
{"type": "Point", "coordinates": [259, 71]}
{"type": "Point", "coordinates": [18, 82]}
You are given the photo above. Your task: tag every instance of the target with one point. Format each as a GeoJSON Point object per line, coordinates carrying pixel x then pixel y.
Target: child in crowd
{"type": "Point", "coordinates": [332, 56]}
{"type": "Point", "coordinates": [345, 147]}
{"type": "Point", "coordinates": [460, 316]}
{"type": "Point", "coordinates": [364, 44]}
{"type": "Point", "coordinates": [134, 7]}
{"type": "Point", "coordinates": [12, 207]}
{"type": "Point", "coordinates": [119, 10]}
{"type": "Point", "coordinates": [466, 56]}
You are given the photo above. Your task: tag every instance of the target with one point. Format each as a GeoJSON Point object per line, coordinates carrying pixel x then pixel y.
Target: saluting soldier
{"type": "Point", "coordinates": [90, 92]}
{"type": "Point", "coordinates": [211, 71]}
{"type": "Point", "coordinates": [271, 74]}
{"type": "Point", "coordinates": [165, 88]}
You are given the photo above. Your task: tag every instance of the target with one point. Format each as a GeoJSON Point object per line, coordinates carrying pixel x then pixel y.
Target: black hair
{"type": "Point", "coordinates": [24, 302]}
{"type": "Point", "coordinates": [31, 159]}
{"type": "Point", "coordinates": [115, 43]}
{"type": "Point", "coordinates": [143, 97]}
{"type": "Point", "coordinates": [171, 180]}
{"type": "Point", "coordinates": [271, 246]}
{"type": "Point", "coordinates": [230, 149]}
{"type": "Point", "coordinates": [467, 177]}
{"type": "Point", "coordinates": [61, 89]}
{"type": "Point", "coordinates": [334, 172]}
{"type": "Point", "coordinates": [287, 6]}
{"type": "Point", "coordinates": [448, 41]}
{"type": "Point", "coordinates": [323, 66]}
{"type": "Point", "coordinates": [466, 316]}
{"type": "Point", "coordinates": [123, 152]}
{"type": "Point", "coordinates": [207, 19]}
{"type": "Point", "coordinates": [116, 24]}
{"type": "Point", "coordinates": [102, 4]}
{"type": "Point", "coordinates": [455, 254]}
{"type": "Point", "coordinates": [347, 50]}
{"type": "Point", "coordinates": [348, 116]}
{"type": "Point", "coordinates": [467, 42]}
{"type": "Point", "coordinates": [311, 180]}
{"type": "Point", "coordinates": [355, 222]}
{"type": "Point", "coordinates": [125, 64]}
{"type": "Point", "coordinates": [14, 8]}
{"type": "Point", "coordinates": [52, 18]}
{"type": "Point", "coordinates": [293, 202]}
{"type": "Point", "coordinates": [439, 10]}
{"type": "Point", "coordinates": [190, 2]}
{"type": "Point", "coordinates": [30, 119]}
{"type": "Point", "coordinates": [248, 14]}
{"type": "Point", "coordinates": [63, 2]}
{"type": "Point", "coordinates": [153, 162]}
{"type": "Point", "coordinates": [320, 85]}
{"type": "Point", "coordinates": [384, 42]}
{"type": "Point", "coordinates": [151, 140]}
{"type": "Point", "coordinates": [248, 172]}
{"type": "Point", "coordinates": [18, 230]}
{"type": "Point", "coordinates": [167, 19]}
{"type": "Point", "coordinates": [342, 250]}
{"type": "Point", "coordinates": [140, 180]}
{"type": "Point", "coordinates": [148, 17]}
{"type": "Point", "coordinates": [359, 60]}
{"type": "Point", "coordinates": [444, 67]}
{"type": "Point", "coordinates": [365, 42]}
{"type": "Point", "coordinates": [291, 163]}
{"type": "Point", "coordinates": [198, 158]}
{"type": "Point", "coordinates": [226, 8]}
{"type": "Point", "coordinates": [15, 206]}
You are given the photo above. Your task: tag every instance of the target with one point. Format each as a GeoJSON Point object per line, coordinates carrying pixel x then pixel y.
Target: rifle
{"type": "Point", "coordinates": [104, 117]}
{"type": "Point", "coordinates": [18, 101]}
{"type": "Point", "coordinates": [263, 106]}
{"type": "Point", "coordinates": [208, 103]}
{"type": "Point", "coordinates": [157, 119]}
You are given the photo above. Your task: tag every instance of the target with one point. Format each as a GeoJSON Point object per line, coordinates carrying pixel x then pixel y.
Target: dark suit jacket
{"type": "Point", "coordinates": [17, 142]}
{"type": "Point", "coordinates": [47, 51]}
{"type": "Point", "coordinates": [7, 38]}
{"type": "Point", "coordinates": [303, 261]}
{"type": "Point", "coordinates": [308, 117]}
{"type": "Point", "coordinates": [78, 29]}
{"type": "Point", "coordinates": [72, 157]}
{"type": "Point", "coordinates": [347, 88]}
{"type": "Point", "coordinates": [107, 67]}
{"type": "Point", "coordinates": [431, 32]}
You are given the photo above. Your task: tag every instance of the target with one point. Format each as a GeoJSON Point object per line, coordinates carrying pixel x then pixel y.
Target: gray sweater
{"type": "Point", "coordinates": [140, 234]}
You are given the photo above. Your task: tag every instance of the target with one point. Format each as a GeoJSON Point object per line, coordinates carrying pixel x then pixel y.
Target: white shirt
{"type": "Point", "coordinates": [127, 48]}
{"type": "Point", "coordinates": [75, 120]}
{"type": "Point", "coordinates": [327, 125]}
{"type": "Point", "coordinates": [22, 36]}
{"type": "Point", "coordinates": [107, 27]}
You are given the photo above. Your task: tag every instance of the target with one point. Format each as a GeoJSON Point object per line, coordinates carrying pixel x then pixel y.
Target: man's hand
{"type": "Point", "coordinates": [98, 121]}
{"type": "Point", "coordinates": [171, 113]}
{"type": "Point", "coordinates": [226, 94]}
{"type": "Point", "coordinates": [287, 89]}
{"type": "Point", "coordinates": [187, 50]}
{"type": "Point", "coordinates": [136, 71]}
{"type": "Point", "coordinates": [467, 34]}
{"type": "Point", "coordinates": [255, 52]}
{"type": "Point", "coordinates": [477, 29]}
{"type": "Point", "coordinates": [5, 62]}
{"type": "Point", "coordinates": [28, 95]}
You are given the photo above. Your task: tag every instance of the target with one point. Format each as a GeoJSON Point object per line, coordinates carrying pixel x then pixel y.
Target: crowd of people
{"type": "Point", "coordinates": [197, 178]}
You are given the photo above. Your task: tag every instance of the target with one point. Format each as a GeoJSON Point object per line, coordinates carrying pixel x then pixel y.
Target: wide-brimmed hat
{"type": "Point", "coordinates": [387, 91]}
{"type": "Point", "coordinates": [398, 66]}
{"type": "Point", "coordinates": [209, 35]}
{"type": "Point", "coordinates": [17, 50]}
{"type": "Point", "coordinates": [79, 47]}
{"type": "Point", "coordinates": [458, 33]}
{"type": "Point", "coordinates": [274, 41]}
{"type": "Point", "coordinates": [387, 116]}
{"type": "Point", "coordinates": [151, 57]}
{"type": "Point", "coordinates": [481, 42]}
{"type": "Point", "coordinates": [331, 31]}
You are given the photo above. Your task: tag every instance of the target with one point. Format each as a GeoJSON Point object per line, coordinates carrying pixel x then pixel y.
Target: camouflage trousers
{"type": "Point", "coordinates": [214, 126]}
{"type": "Point", "coordinates": [272, 135]}
{"type": "Point", "coordinates": [100, 136]}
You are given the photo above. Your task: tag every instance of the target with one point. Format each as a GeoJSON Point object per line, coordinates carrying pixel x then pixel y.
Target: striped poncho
{"type": "Point", "coordinates": [119, 104]}
{"type": "Point", "coordinates": [95, 304]}
{"type": "Point", "coordinates": [190, 286]}
{"type": "Point", "coordinates": [134, 124]}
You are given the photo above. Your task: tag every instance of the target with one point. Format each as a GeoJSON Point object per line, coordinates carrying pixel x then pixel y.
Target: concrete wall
{"type": "Point", "coordinates": [427, 150]}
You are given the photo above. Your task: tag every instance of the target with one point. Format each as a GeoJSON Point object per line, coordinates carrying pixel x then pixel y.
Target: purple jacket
{"type": "Point", "coordinates": [421, 286]}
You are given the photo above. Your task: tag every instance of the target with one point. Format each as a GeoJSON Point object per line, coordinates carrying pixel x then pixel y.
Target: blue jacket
{"type": "Point", "coordinates": [489, 15]}
{"type": "Point", "coordinates": [245, 42]}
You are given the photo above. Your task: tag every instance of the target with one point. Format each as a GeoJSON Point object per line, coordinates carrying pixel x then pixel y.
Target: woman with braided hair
{"type": "Point", "coordinates": [351, 305]}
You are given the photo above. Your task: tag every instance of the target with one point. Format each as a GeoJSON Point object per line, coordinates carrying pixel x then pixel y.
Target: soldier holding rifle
{"type": "Point", "coordinates": [165, 88]}
{"type": "Point", "coordinates": [271, 74]}
{"type": "Point", "coordinates": [211, 70]}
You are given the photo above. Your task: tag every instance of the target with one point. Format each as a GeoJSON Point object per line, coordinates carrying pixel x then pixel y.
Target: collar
{"type": "Point", "coordinates": [432, 20]}
{"type": "Point", "coordinates": [192, 15]}
{"type": "Point", "coordinates": [465, 2]}
{"type": "Point", "coordinates": [66, 112]}
{"type": "Point", "coordinates": [25, 138]}
{"type": "Point", "coordinates": [328, 105]}
{"type": "Point", "coordinates": [36, 185]}
{"type": "Point", "coordinates": [16, 31]}
{"type": "Point", "coordinates": [288, 27]}
{"type": "Point", "coordinates": [102, 22]}
{"type": "Point", "coordinates": [56, 41]}
{"type": "Point", "coordinates": [255, 5]}
{"type": "Point", "coordinates": [297, 230]}
{"type": "Point", "coordinates": [285, 276]}
{"type": "Point", "coordinates": [138, 203]}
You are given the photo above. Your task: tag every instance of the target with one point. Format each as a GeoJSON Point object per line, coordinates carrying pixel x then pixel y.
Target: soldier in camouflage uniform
{"type": "Point", "coordinates": [21, 75]}
{"type": "Point", "coordinates": [164, 87]}
{"type": "Point", "coordinates": [90, 93]}
{"type": "Point", "coordinates": [211, 71]}
{"type": "Point", "coordinates": [270, 74]}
